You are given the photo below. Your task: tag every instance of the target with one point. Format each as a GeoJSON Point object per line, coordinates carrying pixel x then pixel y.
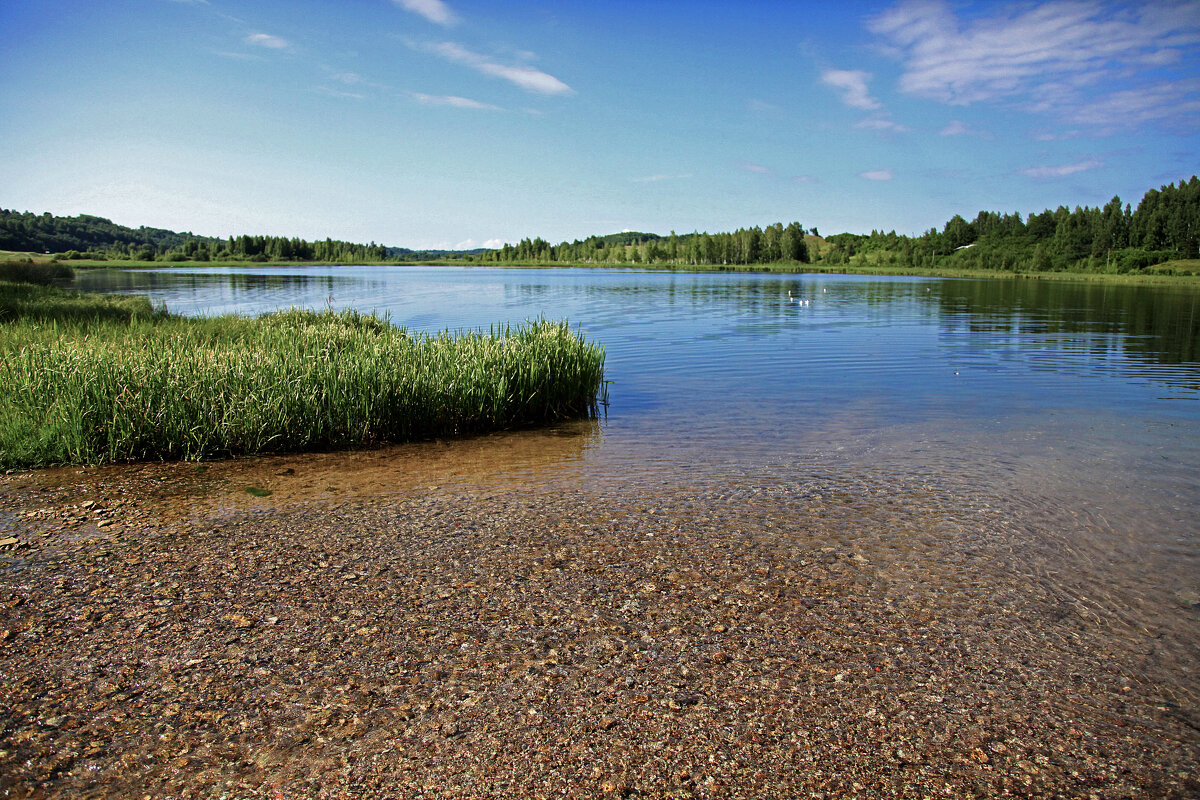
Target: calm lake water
{"type": "Point", "coordinates": [914, 420]}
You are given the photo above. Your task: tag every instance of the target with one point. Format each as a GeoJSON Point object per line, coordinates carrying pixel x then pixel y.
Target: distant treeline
{"type": "Point", "coordinates": [769, 245]}
{"type": "Point", "coordinates": [1116, 238]}
{"type": "Point", "coordinates": [1165, 226]}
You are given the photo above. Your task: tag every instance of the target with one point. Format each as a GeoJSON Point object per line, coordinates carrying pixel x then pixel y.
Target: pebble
{"type": "Point", "coordinates": [444, 644]}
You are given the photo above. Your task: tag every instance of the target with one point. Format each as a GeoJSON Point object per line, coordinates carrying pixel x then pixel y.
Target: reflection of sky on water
{"type": "Point", "coordinates": [1057, 421]}
{"type": "Point", "coordinates": [725, 374]}
{"type": "Point", "coordinates": [698, 343]}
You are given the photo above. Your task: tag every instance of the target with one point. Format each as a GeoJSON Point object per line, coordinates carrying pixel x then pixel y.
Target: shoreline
{"type": "Point", "coordinates": [783, 268]}
{"type": "Point", "coordinates": [476, 640]}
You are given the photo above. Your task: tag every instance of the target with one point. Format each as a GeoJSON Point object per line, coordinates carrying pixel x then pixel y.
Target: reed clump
{"type": "Point", "coordinates": [114, 380]}
{"type": "Point", "coordinates": [26, 270]}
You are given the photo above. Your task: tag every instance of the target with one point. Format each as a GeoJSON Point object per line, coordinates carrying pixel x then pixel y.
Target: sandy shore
{"type": "Point", "coordinates": [508, 643]}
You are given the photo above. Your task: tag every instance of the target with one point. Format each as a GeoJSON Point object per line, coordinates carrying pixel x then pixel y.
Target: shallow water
{"type": "Point", "coordinates": [1053, 427]}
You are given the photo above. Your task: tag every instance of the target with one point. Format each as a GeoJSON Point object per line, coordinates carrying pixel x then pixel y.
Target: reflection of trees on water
{"type": "Point", "coordinates": [1149, 325]}
{"type": "Point", "coordinates": [143, 281]}
{"type": "Point", "coordinates": [753, 294]}
{"type": "Point", "coordinates": [223, 287]}
{"type": "Point", "coordinates": [1054, 325]}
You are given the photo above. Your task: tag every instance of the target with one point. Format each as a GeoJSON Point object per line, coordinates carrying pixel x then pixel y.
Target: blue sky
{"type": "Point", "coordinates": [453, 123]}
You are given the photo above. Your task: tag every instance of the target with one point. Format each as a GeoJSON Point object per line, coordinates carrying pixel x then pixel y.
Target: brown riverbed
{"type": "Point", "coordinates": [421, 623]}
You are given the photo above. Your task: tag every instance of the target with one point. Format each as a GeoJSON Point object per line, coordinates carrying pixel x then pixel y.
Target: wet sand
{"type": "Point", "coordinates": [166, 634]}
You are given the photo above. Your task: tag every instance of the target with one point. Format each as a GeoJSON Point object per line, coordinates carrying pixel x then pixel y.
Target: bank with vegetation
{"type": "Point", "coordinates": [1159, 237]}
{"type": "Point", "coordinates": [88, 379]}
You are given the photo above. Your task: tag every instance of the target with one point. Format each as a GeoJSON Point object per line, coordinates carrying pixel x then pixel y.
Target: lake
{"type": "Point", "coordinates": [1052, 426]}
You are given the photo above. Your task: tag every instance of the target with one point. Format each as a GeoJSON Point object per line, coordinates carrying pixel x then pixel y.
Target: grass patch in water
{"type": "Point", "coordinates": [89, 379]}
{"type": "Point", "coordinates": [29, 271]}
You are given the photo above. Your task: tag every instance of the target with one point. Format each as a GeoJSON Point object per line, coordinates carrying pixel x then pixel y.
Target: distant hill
{"type": "Point", "coordinates": [629, 237]}
{"type": "Point", "coordinates": [96, 236]}
{"type": "Point", "coordinates": [90, 236]}
{"type": "Point", "coordinates": [405, 254]}
{"type": "Point", "coordinates": [47, 233]}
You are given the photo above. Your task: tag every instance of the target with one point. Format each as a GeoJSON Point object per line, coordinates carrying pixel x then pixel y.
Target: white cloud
{"type": "Point", "coordinates": [528, 78]}
{"type": "Point", "coordinates": [266, 40]}
{"type": "Point", "coordinates": [433, 10]}
{"type": "Point", "coordinates": [757, 169]}
{"type": "Point", "coordinates": [876, 175]}
{"type": "Point", "coordinates": [881, 124]}
{"type": "Point", "coordinates": [1072, 58]}
{"type": "Point", "coordinates": [954, 128]}
{"type": "Point", "coordinates": [853, 85]}
{"type": "Point", "coordinates": [1061, 170]}
{"type": "Point", "coordinates": [471, 244]}
{"type": "Point", "coordinates": [452, 101]}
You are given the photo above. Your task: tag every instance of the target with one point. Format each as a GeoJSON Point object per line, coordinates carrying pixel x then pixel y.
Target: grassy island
{"type": "Point", "coordinates": [88, 379]}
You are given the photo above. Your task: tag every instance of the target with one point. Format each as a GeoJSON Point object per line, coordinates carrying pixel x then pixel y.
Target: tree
{"type": "Point", "coordinates": [792, 243]}
{"type": "Point", "coordinates": [958, 233]}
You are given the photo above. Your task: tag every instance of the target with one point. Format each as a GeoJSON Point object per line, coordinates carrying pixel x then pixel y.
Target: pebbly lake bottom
{"type": "Point", "coordinates": [591, 610]}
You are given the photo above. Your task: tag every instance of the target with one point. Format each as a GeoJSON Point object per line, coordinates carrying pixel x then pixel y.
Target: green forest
{"type": "Point", "coordinates": [1162, 232]}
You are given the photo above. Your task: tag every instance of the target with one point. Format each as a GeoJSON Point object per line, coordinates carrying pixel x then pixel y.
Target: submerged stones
{"type": "Point", "coordinates": [525, 643]}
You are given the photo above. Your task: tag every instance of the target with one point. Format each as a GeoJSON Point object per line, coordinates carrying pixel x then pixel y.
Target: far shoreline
{"type": "Point", "coordinates": [781, 268]}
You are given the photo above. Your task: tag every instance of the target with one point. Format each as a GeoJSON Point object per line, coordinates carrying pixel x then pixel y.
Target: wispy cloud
{"type": "Point", "coordinates": [1165, 101]}
{"type": "Point", "coordinates": [356, 85]}
{"type": "Point", "coordinates": [433, 10]}
{"type": "Point", "coordinates": [658, 178]}
{"type": "Point", "coordinates": [761, 106]}
{"type": "Point", "coordinates": [266, 40]}
{"type": "Point", "coordinates": [526, 77]}
{"type": "Point", "coordinates": [1073, 58]}
{"type": "Point", "coordinates": [877, 175]}
{"type": "Point", "coordinates": [852, 83]}
{"type": "Point", "coordinates": [331, 92]}
{"type": "Point", "coordinates": [452, 101]}
{"type": "Point", "coordinates": [757, 169]}
{"type": "Point", "coordinates": [1056, 135]}
{"type": "Point", "coordinates": [882, 124]}
{"type": "Point", "coordinates": [238, 56]}
{"type": "Point", "coordinates": [954, 128]}
{"type": "Point", "coordinates": [1062, 170]}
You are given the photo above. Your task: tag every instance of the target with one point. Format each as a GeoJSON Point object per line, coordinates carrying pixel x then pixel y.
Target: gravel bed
{"type": "Point", "coordinates": [488, 643]}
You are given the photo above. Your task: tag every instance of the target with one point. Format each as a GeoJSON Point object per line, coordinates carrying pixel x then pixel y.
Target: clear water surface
{"type": "Point", "coordinates": [1054, 425]}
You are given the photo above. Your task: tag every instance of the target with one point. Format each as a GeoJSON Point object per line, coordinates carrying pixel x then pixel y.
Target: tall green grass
{"type": "Point", "coordinates": [38, 305]}
{"type": "Point", "coordinates": [126, 383]}
{"type": "Point", "coordinates": [26, 270]}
